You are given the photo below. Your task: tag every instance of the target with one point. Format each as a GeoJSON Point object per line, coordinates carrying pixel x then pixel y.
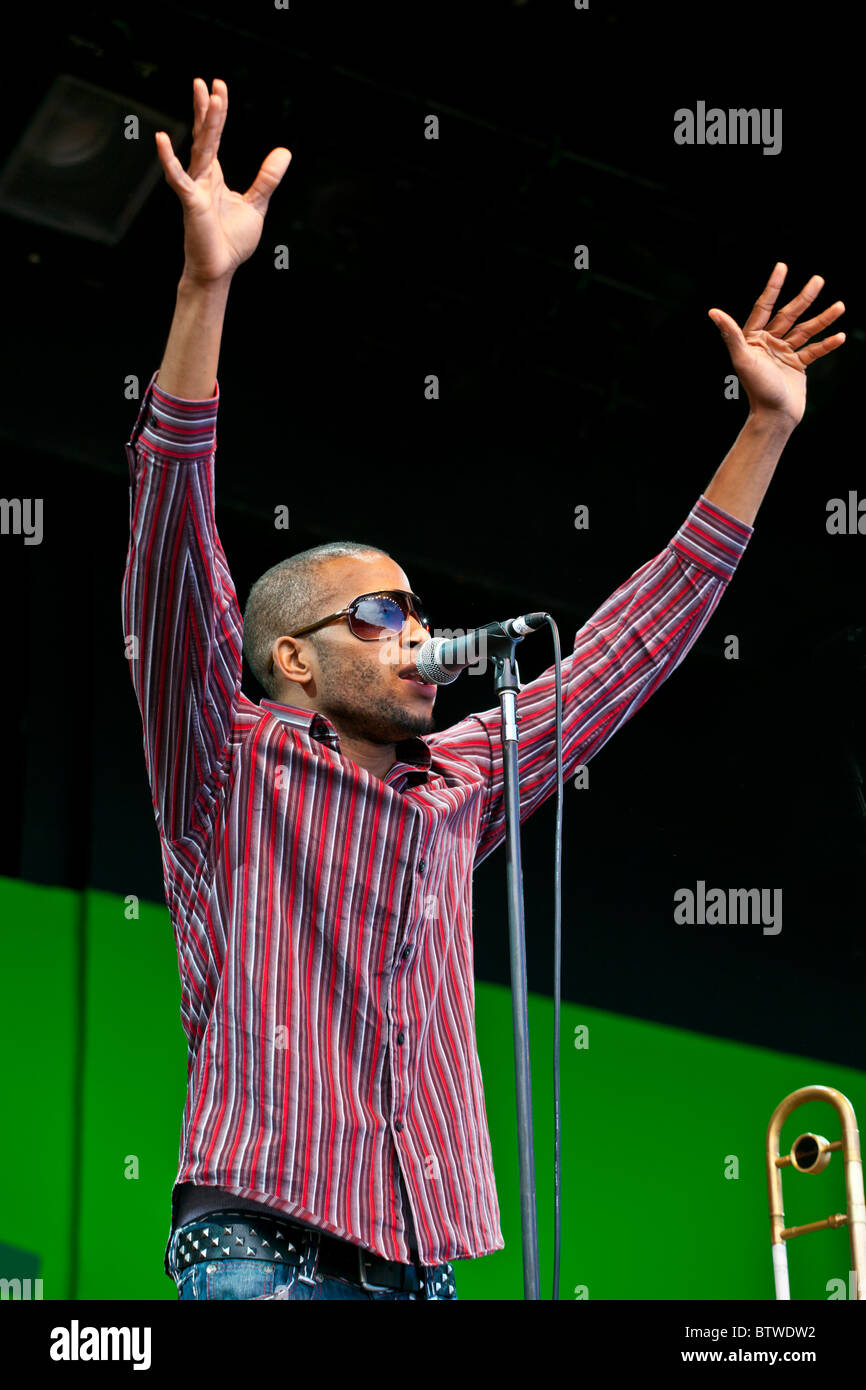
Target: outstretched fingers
{"type": "Point", "coordinates": [815, 350]}
{"type": "Point", "coordinates": [210, 111]}
{"type": "Point", "coordinates": [763, 306]}
{"type": "Point", "coordinates": [792, 310]}
{"type": "Point", "coordinates": [802, 332]}
{"type": "Point", "coordinates": [784, 321]}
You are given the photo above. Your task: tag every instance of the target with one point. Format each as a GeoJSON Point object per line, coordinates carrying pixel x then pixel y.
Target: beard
{"type": "Point", "coordinates": [359, 703]}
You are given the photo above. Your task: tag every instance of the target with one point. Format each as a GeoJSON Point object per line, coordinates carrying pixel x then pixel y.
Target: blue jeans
{"type": "Point", "coordinates": [246, 1278]}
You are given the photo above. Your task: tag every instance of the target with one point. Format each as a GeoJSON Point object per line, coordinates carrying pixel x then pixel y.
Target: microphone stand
{"type": "Point", "coordinates": [507, 685]}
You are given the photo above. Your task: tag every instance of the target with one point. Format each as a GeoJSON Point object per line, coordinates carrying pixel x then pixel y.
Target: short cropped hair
{"type": "Point", "coordinates": [286, 597]}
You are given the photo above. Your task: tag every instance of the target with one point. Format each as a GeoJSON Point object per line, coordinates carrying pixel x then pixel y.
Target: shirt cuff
{"type": "Point", "coordinates": [173, 427]}
{"type": "Point", "coordinates": [712, 538]}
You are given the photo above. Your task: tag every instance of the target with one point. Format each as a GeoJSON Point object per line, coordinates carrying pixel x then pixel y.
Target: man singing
{"type": "Point", "coordinates": [318, 847]}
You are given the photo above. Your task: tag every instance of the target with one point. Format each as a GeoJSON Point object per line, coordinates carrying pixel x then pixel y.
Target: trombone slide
{"type": "Point", "coordinates": [810, 1154]}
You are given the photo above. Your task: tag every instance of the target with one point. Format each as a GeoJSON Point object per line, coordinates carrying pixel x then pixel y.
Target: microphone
{"type": "Point", "coordinates": [441, 659]}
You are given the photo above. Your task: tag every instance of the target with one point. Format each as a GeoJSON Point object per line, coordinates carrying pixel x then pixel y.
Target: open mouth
{"type": "Point", "coordinates": [413, 678]}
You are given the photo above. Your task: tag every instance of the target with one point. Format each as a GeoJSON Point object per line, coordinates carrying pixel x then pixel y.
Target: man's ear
{"type": "Point", "coordinates": [289, 652]}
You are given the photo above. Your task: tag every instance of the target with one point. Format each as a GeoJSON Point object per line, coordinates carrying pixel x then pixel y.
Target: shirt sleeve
{"type": "Point", "coordinates": [182, 624]}
{"type": "Point", "coordinates": [629, 646]}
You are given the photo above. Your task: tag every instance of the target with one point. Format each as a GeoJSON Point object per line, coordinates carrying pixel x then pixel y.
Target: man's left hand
{"type": "Point", "coordinates": [770, 358]}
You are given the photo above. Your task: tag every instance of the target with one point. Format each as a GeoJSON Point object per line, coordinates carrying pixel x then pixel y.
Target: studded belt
{"type": "Point", "coordinates": [233, 1235]}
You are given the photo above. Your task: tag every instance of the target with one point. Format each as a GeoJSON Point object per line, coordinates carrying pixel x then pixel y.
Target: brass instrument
{"type": "Point", "coordinates": [810, 1154]}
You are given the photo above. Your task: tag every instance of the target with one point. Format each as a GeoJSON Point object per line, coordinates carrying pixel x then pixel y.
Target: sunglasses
{"type": "Point", "coordinates": [374, 617]}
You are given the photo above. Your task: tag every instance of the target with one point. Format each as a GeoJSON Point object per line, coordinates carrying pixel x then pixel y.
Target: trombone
{"type": "Point", "coordinates": [810, 1154]}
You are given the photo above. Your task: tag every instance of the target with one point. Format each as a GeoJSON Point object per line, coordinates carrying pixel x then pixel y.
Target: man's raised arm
{"type": "Point", "coordinates": [639, 636]}
{"type": "Point", "coordinates": [221, 231]}
{"type": "Point", "coordinates": [182, 623]}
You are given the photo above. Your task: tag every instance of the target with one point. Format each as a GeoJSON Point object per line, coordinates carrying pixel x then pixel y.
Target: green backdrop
{"type": "Point", "coordinates": [663, 1181]}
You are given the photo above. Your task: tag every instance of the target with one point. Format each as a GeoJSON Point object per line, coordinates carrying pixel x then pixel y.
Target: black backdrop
{"type": "Point", "coordinates": [558, 387]}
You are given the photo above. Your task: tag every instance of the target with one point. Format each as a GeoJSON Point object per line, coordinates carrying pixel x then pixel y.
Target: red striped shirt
{"type": "Point", "coordinates": [323, 916]}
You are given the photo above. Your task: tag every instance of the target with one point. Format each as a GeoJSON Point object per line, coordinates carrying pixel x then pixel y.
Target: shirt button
{"type": "Point", "coordinates": [422, 866]}
{"type": "Point", "coordinates": [399, 1037]}
{"type": "Point", "coordinates": [407, 952]}
{"type": "Point", "coordinates": [398, 1124]}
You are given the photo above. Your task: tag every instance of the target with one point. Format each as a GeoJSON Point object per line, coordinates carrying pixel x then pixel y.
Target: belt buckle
{"type": "Point", "coordinates": [373, 1288]}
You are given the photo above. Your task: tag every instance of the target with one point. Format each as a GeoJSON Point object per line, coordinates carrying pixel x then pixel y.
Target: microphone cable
{"type": "Point", "coordinates": [530, 623]}
{"type": "Point", "coordinates": [557, 954]}
{"type": "Point", "coordinates": [557, 957]}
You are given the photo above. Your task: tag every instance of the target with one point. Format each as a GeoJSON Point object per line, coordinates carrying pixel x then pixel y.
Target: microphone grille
{"type": "Point", "coordinates": [429, 666]}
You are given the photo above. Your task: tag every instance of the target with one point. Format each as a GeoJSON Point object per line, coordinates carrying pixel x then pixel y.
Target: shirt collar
{"type": "Point", "coordinates": [409, 750]}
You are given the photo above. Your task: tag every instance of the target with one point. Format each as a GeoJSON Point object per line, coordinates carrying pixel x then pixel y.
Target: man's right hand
{"type": "Point", "coordinates": [221, 228]}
